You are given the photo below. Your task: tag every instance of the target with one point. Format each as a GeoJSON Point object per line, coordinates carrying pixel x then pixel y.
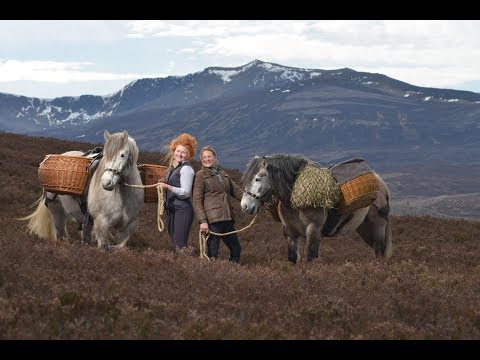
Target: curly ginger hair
{"type": "Point", "coordinates": [186, 140]}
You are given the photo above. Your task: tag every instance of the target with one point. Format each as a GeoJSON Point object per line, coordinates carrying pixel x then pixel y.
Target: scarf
{"type": "Point", "coordinates": [215, 172]}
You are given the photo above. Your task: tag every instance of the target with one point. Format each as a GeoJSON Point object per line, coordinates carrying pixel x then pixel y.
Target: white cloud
{"type": "Point", "coordinates": [434, 53]}
{"type": "Point", "coordinates": [205, 28]}
{"type": "Point", "coordinates": [58, 72]}
{"type": "Point", "coordinates": [31, 32]}
{"type": "Point", "coordinates": [425, 53]}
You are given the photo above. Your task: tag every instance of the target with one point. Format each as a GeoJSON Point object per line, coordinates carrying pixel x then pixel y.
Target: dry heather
{"type": "Point", "coordinates": [429, 289]}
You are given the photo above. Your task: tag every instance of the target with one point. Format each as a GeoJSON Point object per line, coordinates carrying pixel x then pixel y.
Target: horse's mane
{"type": "Point", "coordinates": [282, 170]}
{"type": "Point", "coordinates": [114, 144]}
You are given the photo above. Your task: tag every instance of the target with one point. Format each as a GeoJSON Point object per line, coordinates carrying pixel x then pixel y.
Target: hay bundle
{"type": "Point", "coordinates": [315, 187]}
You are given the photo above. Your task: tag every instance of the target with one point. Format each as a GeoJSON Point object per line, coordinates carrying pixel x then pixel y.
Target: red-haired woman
{"type": "Point", "coordinates": [178, 189]}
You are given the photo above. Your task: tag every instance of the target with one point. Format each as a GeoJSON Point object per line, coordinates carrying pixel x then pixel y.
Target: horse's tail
{"type": "Point", "coordinates": [40, 222]}
{"type": "Point", "coordinates": [388, 238]}
{"type": "Point", "coordinates": [384, 211]}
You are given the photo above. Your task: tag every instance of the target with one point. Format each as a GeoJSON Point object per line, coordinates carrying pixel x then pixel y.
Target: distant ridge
{"type": "Point", "coordinates": [263, 108]}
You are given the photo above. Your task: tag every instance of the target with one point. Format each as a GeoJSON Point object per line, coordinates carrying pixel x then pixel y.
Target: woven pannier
{"type": "Point", "coordinates": [358, 193]}
{"type": "Point", "coordinates": [358, 185]}
{"type": "Point", "coordinates": [64, 174]}
{"type": "Point", "coordinates": [152, 174]}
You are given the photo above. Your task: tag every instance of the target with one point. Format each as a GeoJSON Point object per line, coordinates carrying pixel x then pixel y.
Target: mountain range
{"type": "Point", "coordinates": [425, 140]}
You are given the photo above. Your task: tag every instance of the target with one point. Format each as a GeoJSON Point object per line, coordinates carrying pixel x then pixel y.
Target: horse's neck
{"type": "Point", "coordinates": [284, 178]}
{"type": "Point", "coordinates": [133, 176]}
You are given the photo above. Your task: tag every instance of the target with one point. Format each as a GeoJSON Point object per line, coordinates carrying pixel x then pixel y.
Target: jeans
{"type": "Point", "coordinates": [179, 223]}
{"type": "Point", "coordinates": [231, 240]}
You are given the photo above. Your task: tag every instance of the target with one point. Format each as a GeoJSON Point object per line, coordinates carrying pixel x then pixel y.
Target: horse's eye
{"type": "Point", "coordinates": [258, 178]}
{"type": "Point", "coordinates": [123, 155]}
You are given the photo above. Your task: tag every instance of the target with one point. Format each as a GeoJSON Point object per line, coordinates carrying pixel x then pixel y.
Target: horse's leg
{"type": "Point", "coordinates": [73, 210]}
{"type": "Point", "coordinates": [59, 219]}
{"type": "Point", "coordinates": [375, 230]}
{"type": "Point", "coordinates": [365, 229]}
{"type": "Point", "coordinates": [313, 220]}
{"type": "Point", "coordinates": [313, 235]}
{"type": "Point", "coordinates": [124, 236]}
{"type": "Point", "coordinates": [387, 252]}
{"type": "Point", "coordinates": [101, 232]}
{"type": "Point", "coordinates": [59, 216]}
{"type": "Point", "coordinates": [292, 247]}
{"type": "Point", "coordinates": [288, 217]}
{"type": "Point", "coordinates": [379, 230]}
{"type": "Point", "coordinates": [86, 232]}
{"type": "Point", "coordinates": [85, 225]}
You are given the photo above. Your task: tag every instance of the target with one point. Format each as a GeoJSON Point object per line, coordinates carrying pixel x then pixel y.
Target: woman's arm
{"type": "Point", "coordinates": [235, 190]}
{"type": "Point", "coordinates": [198, 198]}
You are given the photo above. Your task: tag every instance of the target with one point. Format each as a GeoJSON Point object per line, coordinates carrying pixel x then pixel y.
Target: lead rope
{"type": "Point", "coordinates": [160, 225]}
{"type": "Point", "coordinates": [202, 238]}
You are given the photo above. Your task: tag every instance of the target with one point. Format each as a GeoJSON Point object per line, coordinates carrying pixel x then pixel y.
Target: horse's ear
{"type": "Point", "coordinates": [125, 135]}
{"type": "Point", "coordinates": [106, 135]}
{"type": "Point", "coordinates": [264, 162]}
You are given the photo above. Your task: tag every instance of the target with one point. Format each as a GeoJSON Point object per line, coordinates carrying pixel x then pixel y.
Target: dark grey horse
{"type": "Point", "coordinates": [269, 181]}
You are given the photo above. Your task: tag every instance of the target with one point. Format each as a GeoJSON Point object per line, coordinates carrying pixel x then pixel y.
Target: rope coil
{"type": "Point", "coordinates": [160, 225]}
{"type": "Point", "coordinates": [202, 238]}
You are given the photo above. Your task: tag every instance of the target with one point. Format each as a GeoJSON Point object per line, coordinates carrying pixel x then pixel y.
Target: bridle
{"type": "Point", "coordinates": [119, 171]}
{"type": "Point", "coordinates": [262, 198]}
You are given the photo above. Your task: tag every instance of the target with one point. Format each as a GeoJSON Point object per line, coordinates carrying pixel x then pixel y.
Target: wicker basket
{"type": "Point", "coordinates": [152, 174]}
{"type": "Point", "coordinates": [358, 193]}
{"type": "Point", "coordinates": [63, 174]}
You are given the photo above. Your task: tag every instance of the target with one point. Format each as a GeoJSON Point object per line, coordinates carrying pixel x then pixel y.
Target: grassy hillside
{"type": "Point", "coordinates": [429, 289]}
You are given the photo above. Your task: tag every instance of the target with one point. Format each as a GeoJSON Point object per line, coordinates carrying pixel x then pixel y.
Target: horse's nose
{"type": "Point", "coordinates": [248, 209]}
{"type": "Point", "coordinates": [108, 184]}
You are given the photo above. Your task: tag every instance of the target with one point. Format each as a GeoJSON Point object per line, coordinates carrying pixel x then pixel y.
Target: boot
{"type": "Point", "coordinates": [235, 259]}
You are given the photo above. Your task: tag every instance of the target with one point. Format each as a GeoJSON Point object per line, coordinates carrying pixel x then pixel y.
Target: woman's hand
{"type": "Point", "coordinates": [204, 227]}
{"type": "Point", "coordinates": [166, 186]}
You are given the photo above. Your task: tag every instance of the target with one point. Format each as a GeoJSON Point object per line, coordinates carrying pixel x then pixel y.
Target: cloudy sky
{"type": "Point", "coordinates": [48, 59]}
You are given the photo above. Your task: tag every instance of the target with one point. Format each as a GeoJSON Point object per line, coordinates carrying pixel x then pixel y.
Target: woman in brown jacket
{"type": "Point", "coordinates": [212, 189]}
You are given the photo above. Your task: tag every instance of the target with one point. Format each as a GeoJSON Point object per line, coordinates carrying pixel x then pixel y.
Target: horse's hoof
{"type": "Point", "coordinates": [107, 247]}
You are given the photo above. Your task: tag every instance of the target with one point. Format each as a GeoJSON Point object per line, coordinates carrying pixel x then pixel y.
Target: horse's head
{"type": "Point", "coordinates": [118, 154]}
{"type": "Point", "coordinates": [257, 186]}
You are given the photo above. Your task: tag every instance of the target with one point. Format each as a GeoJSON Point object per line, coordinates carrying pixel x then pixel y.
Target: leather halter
{"type": "Point", "coordinates": [261, 198]}
{"type": "Point", "coordinates": [118, 172]}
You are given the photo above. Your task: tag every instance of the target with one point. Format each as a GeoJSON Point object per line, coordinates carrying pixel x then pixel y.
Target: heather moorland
{"type": "Point", "coordinates": [428, 289]}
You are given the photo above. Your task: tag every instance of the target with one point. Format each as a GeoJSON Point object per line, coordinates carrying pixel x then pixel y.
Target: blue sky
{"type": "Point", "coordinates": [47, 59]}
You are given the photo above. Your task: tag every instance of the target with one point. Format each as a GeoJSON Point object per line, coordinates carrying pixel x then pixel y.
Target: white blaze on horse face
{"type": "Point", "coordinates": [258, 188]}
{"type": "Point", "coordinates": [114, 168]}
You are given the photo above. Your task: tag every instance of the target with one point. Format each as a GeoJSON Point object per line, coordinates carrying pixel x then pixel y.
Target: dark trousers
{"type": "Point", "coordinates": [231, 240]}
{"type": "Point", "coordinates": [179, 223]}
